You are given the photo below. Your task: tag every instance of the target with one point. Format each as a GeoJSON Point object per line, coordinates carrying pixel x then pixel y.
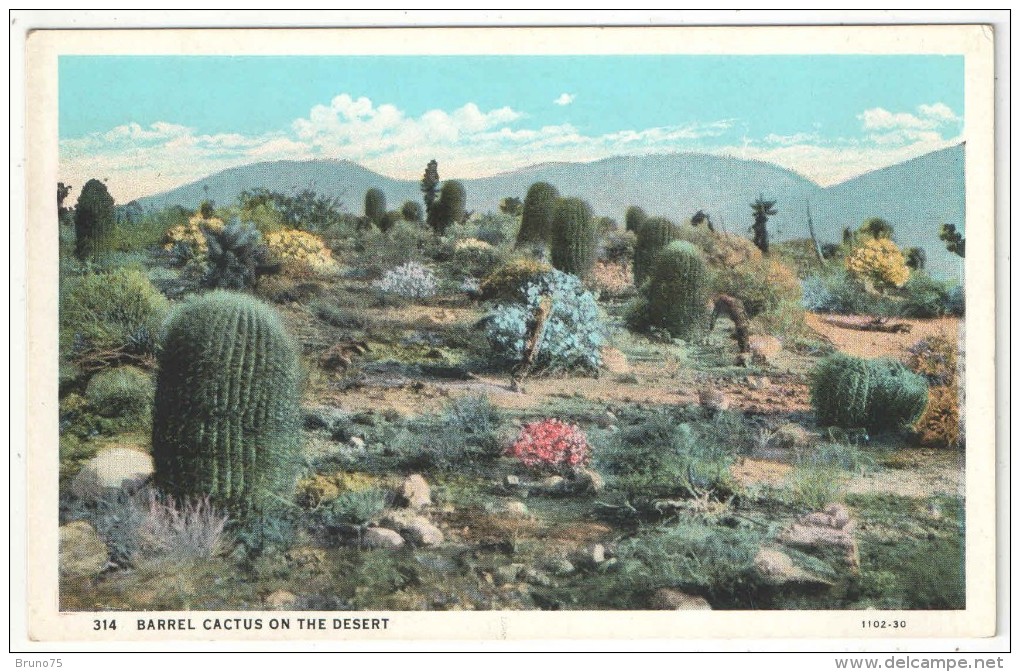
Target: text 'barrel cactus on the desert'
{"type": "Point", "coordinates": [226, 420]}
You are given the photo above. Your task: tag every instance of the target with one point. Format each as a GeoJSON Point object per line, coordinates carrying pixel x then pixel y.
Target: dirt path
{"type": "Point", "coordinates": [880, 344]}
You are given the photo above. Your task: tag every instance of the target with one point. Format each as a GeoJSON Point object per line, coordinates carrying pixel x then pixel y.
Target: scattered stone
{"type": "Point", "coordinates": [776, 568]}
{"type": "Point", "coordinates": [514, 508]}
{"type": "Point", "coordinates": [322, 417]}
{"type": "Point", "coordinates": [763, 348]}
{"type": "Point", "coordinates": [417, 529]}
{"type": "Point", "coordinates": [357, 443]}
{"type": "Point", "coordinates": [551, 482]}
{"type": "Point", "coordinates": [597, 552]}
{"type": "Point", "coordinates": [561, 567]}
{"type": "Point", "coordinates": [790, 436]}
{"type": "Point", "coordinates": [415, 492]}
{"type": "Point", "coordinates": [669, 599]}
{"type": "Point", "coordinates": [512, 480]}
{"type": "Point", "coordinates": [822, 533]}
{"type": "Point", "coordinates": [281, 599]}
{"type": "Point", "coordinates": [536, 577]}
{"type": "Point", "coordinates": [381, 537]}
{"type": "Point", "coordinates": [82, 551]}
{"type": "Point", "coordinates": [111, 470]}
{"type": "Point", "coordinates": [759, 382]}
{"type": "Point", "coordinates": [509, 573]}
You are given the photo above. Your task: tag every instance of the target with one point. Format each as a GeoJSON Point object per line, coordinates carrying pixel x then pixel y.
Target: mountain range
{"type": "Point", "coordinates": [916, 196]}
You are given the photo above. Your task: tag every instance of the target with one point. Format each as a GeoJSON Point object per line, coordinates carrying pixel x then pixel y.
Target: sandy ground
{"type": "Point", "coordinates": [881, 344]}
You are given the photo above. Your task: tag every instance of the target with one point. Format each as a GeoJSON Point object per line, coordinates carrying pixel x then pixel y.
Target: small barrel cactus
{"type": "Point", "coordinates": [653, 235]}
{"type": "Point", "coordinates": [226, 421]}
{"type": "Point", "coordinates": [677, 291]}
{"type": "Point", "coordinates": [574, 237]}
{"type": "Point", "coordinates": [878, 394]}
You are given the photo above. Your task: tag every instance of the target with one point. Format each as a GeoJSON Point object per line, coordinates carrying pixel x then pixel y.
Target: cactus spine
{"type": "Point", "coordinates": [574, 237]}
{"type": "Point", "coordinates": [537, 214]}
{"type": "Point", "coordinates": [226, 419]}
{"type": "Point", "coordinates": [653, 235]}
{"type": "Point", "coordinates": [677, 291]}
{"type": "Point", "coordinates": [875, 394]}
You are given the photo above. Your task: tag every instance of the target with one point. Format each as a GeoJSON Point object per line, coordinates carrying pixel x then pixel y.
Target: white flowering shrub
{"type": "Point", "coordinates": [411, 280]}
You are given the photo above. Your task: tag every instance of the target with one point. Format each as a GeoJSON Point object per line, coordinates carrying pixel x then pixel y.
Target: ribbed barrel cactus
{"type": "Point", "coordinates": [574, 240]}
{"type": "Point", "coordinates": [537, 214]}
{"type": "Point", "coordinates": [677, 291]}
{"type": "Point", "coordinates": [877, 394]}
{"type": "Point", "coordinates": [653, 235]}
{"type": "Point", "coordinates": [94, 221]}
{"type": "Point", "coordinates": [226, 420]}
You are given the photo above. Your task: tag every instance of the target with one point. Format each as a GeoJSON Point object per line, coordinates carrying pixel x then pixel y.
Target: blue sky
{"type": "Point", "coordinates": [150, 123]}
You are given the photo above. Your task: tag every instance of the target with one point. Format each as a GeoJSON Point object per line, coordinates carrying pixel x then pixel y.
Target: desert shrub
{"type": "Point", "coordinates": [124, 392]}
{"type": "Point", "coordinates": [878, 394]}
{"type": "Point", "coordinates": [474, 257]}
{"type": "Point", "coordinates": [574, 237]}
{"type": "Point", "coordinates": [709, 560]}
{"type": "Point", "coordinates": [611, 278]}
{"type": "Point", "coordinates": [116, 311]}
{"type": "Point", "coordinates": [618, 247]}
{"type": "Point", "coordinates": [573, 333]}
{"type": "Point", "coordinates": [187, 242]}
{"type": "Point", "coordinates": [172, 531]}
{"type": "Point", "coordinates": [836, 292]}
{"type": "Point", "coordinates": [925, 296]}
{"type": "Point", "coordinates": [509, 280]}
{"type": "Point", "coordinates": [761, 284]}
{"type": "Point", "coordinates": [956, 301]}
{"type": "Point", "coordinates": [411, 280]}
{"type": "Point", "coordinates": [495, 228]}
{"type": "Point", "coordinates": [654, 234]}
{"type": "Point", "coordinates": [236, 257]}
{"type": "Point", "coordinates": [354, 507]}
{"type": "Point", "coordinates": [935, 358]}
{"type": "Point", "coordinates": [465, 437]}
{"type": "Point", "coordinates": [473, 414]}
{"type": "Point", "coordinates": [880, 261]}
{"type": "Point", "coordinates": [537, 214]}
{"type": "Point", "coordinates": [226, 420]}
{"type": "Point", "coordinates": [118, 519]}
{"type": "Point", "coordinates": [813, 485]}
{"type": "Point", "coordinates": [720, 250]}
{"type": "Point", "coordinates": [667, 456]}
{"type": "Point", "coordinates": [550, 444]}
{"type": "Point", "coordinates": [785, 320]}
{"type": "Point", "coordinates": [677, 291]}
{"type": "Point", "coordinates": [300, 252]}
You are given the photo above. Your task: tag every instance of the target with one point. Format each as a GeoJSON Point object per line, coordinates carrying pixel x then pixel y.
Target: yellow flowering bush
{"type": "Point", "coordinates": [191, 235]}
{"type": "Point", "coordinates": [880, 261]}
{"type": "Point", "coordinates": [300, 251]}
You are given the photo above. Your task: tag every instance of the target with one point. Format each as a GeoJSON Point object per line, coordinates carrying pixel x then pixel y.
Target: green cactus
{"type": "Point", "coordinates": [898, 395]}
{"type": "Point", "coordinates": [574, 237]}
{"type": "Point", "coordinates": [634, 218]}
{"type": "Point", "coordinates": [677, 291]}
{"type": "Point", "coordinates": [226, 419]}
{"type": "Point", "coordinates": [94, 221]}
{"type": "Point", "coordinates": [375, 205]}
{"type": "Point", "coordinates": [537, 214]}
{"type": "Point", "coordinates": [878, 394]}
{"type": "Point", "coordinates": [653, 235]}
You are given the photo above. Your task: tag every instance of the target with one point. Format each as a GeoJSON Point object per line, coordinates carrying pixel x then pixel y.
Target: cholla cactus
{"type": "Point", "coordinates": [411, 280]}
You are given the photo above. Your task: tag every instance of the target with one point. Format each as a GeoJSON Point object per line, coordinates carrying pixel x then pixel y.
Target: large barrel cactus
{"type": "Point", "coordinates": [226, 420]}
{"type": "Point", "coordinates": [94, 221]}
{"type": "Point", "coordinates": [652, 235]}
{"type": "Point", "coordinates": [677, 291]}
{"type": "Point", "coordinates": [878, 394]}
{"type": "Point", "coordinates": [537, 214]}
{"type": "Point", "coordinates": [574, 237]}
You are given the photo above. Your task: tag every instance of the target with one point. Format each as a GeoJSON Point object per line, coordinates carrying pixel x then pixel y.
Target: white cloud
{"type": "Point", "coordinates": [564, 99]}
{"type": "Point", "coordinates": [474, 142]}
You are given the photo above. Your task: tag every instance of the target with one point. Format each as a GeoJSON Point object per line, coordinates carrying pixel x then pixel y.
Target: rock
{"type": "Point", "coordinates": [597, 553]}
{"type": "Point", "coordinates": [415, 492]}
{"type": "Point", "coordinates": [759, 382]}
{"type": "Point", "coordinates": [824, 533]}
{"type": "Point", "coordinates": [281, 599]}
{"type": "Point", "coordinates": [111, 470]}
{"type": "Point", "coordinates": [776, 568]}
{"type": "Point", "coordinates": [588, 480]}
{"type": "Point", "coordinates": [668, 599]}
{"type": "Point", "coordinates": [536, 577]}
{"type": "Point", "coordinates": [551, 482]}
{"type": "Point", "coordinates": [381, 537]}
{"type": "Point", "coordinates": [357, 443]}
{"type": "Point", "coordinates": [82, 551]}
{"type": "Point", "coordinates": [790, 436]}
{"type": "Point", "coordinates": [561, 567]}
{"type": "Point", "coordinates": [415, 528]}
{"type": "Point", "coordinates": [512, 480]}
{"type": "Point", "coordinates": [509, 573]}
{"type": "Point", "coordinates": [614, 361]}
{"type": "Point", "coordinates": [514, 508]}
{"type": "Point", "coordinates": [763, 348]}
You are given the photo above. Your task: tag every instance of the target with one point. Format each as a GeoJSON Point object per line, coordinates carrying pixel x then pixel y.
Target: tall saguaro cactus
{"type": "Point", "coordinates": [226, 420]}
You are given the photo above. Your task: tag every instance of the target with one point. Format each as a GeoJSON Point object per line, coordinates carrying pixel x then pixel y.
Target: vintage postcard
{"type": "Point", "coordinates": [509, 333]}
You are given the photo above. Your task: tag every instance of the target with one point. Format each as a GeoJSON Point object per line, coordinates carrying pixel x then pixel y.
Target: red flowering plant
{"type": "Point", "coordinates": [550, 444]}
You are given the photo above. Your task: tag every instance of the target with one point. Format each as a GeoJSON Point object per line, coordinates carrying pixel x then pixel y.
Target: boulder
{"type": "Point", "coordinates": [322, 417]}
{"type": "Point", "coordinates": [281, 599]}
{"type": "Point", "coordinates": [776, 568]}
{"type": "Point", "coordinates": [415, 528]}
{"type": "Point", "coordinates": [112, 470]}
{"type": "Point", "coordinates": [514, 509]}
{"type": "Point", "coordinates": [825, 533]}
{"type": "Point", "coordinates": [82, 551]}
{"type": "Point", "coordinates": [713, 399]}
{"type": "Point", "coordinates": [763, 348]}
{"type": "Point", "coordinates": [614, 361]}
{"type": "Point", "coordinates": [669, 599]}
{"type": "Point", "coordinates": [414, 492]}
{"type": "Point", "coordinates": [381, 537]}
{"type": "Point", "coordinates": [588, 480]}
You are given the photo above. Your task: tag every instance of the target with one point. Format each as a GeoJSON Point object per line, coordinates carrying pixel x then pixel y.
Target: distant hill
{"type": "Point", "coordinates": [916, 196]}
